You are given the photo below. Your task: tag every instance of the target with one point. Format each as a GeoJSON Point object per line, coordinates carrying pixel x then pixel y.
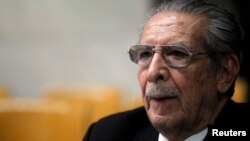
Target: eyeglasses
{"type": "Point", "coordinates": [174, 56]}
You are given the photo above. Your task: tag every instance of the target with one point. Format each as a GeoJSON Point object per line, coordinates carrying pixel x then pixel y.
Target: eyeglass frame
{"type": "Point", "coordinates": [190, 52]}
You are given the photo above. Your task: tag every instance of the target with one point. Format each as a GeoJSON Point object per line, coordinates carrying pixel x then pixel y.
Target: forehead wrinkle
{"type": "Point", "coordinates": [153, 32]}
{"type": "Point", "coordinates": [170, 27]}
{"type": "Point", "coordinates": [182, 25]}
{"type": "Point", "coordinates": [157, 30]}
{"type": "Point", "coordinates": [163, 22]}
{"type": "Point", "coordinates": [170, 21]}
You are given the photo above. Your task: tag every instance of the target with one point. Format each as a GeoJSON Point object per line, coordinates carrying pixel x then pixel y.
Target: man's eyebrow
{"type": "Point", "coordinates": [178, 44]}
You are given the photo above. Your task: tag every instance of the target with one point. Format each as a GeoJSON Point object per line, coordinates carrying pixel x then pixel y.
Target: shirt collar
{"type": "Point", "coordinates": [196, 137]}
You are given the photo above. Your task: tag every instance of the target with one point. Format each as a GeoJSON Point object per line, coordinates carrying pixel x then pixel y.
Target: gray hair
{"type": "Point", "coordinates": [223, 35]}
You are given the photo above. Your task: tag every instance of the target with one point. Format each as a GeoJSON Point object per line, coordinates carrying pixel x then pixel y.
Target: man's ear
{"type": "Point", "coordinates": [227, 73]}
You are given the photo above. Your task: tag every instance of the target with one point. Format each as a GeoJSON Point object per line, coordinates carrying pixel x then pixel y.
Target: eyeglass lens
{"type": "Point", "coordinates": [173, 55]}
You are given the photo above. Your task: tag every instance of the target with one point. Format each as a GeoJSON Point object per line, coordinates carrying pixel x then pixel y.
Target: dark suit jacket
{"type": "Point", "coordinates": [134, 125]}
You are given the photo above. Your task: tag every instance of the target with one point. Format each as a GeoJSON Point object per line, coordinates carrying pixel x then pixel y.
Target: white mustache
{"type": "Point", "coordinates": [161, 92]}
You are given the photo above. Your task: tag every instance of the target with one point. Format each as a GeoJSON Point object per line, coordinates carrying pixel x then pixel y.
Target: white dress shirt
{"type": "Point", "coordinates": [196, 137]}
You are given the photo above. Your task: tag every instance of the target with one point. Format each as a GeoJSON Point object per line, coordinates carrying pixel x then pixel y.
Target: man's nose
{"type": "Point", "coordinates": [158, 69]}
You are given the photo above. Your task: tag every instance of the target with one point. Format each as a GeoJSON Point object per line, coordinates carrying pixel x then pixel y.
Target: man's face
{"type": "Point", "coordinates": [194, 86]}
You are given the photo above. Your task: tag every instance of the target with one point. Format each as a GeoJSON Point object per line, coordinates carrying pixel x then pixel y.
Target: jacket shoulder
{"type": "Point", "coordinates": [235, 114]}
{"type": "Point", "coordinates": [124, 126]}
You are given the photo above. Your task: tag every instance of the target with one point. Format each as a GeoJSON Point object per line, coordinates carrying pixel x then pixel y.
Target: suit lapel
{"type": "Point", "coordinates": [148, 134]}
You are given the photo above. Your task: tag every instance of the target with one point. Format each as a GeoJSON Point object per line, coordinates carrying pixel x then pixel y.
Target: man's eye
{"type": "Point", "coordinates": [145, 55]}
{"type": "Point", "coordinates": [177, 54]}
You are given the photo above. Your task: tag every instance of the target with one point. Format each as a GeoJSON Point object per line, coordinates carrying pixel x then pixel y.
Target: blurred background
{"type": "Point", "coordinates": [49, 42]}
{"type": "Point", "coordinates": [64, 64]}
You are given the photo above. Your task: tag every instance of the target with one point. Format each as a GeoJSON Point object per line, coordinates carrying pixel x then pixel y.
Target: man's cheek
{"type": "Point", "coordinates": [142, 77]}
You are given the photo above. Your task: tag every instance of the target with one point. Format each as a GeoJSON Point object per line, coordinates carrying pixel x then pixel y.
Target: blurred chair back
{"type": "Point", "coordinates": [33, 120]}
{"type": "Point", "coordinates": [4, 93]}
{"type": "Point", "coordinates": [96, 101]}
{"type": "Point", "coordinates": [132, 103]}
{"type": "Point", "coordinates": [241, 91]}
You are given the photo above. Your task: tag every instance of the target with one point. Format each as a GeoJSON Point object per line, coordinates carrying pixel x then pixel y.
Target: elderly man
{"type": "Point", "coordinates": [188, 59]}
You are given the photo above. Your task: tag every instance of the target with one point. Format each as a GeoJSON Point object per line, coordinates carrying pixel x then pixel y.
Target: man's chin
{"type": "Point", "coordinates": [158, 117]}
{"type": "Point", "coordinates": [162, 119]}
{"type": "Point", "coordinates": [161, 122]}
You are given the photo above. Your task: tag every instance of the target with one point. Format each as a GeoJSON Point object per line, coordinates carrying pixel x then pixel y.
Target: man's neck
{"type": "Point", "coordinates": [196, 137]}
